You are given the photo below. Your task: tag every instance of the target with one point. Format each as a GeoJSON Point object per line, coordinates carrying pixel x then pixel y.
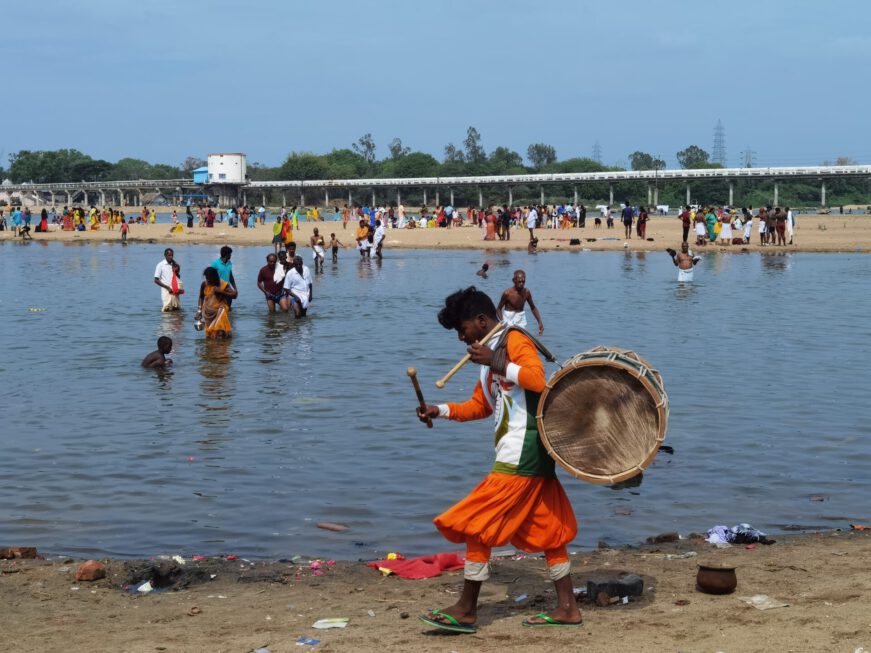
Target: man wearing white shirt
{"type": "Point", "coordinates": [378, 239]}
{"type": "Point", "coordinates": [163, 276]}
{"type": "Point", "coordinates": [297, 288]}
{"type": "Point", "coordinates": [531, 221]}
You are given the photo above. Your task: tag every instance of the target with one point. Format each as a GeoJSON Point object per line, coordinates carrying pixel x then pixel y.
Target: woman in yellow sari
{"type": "Point", "coordinates": [213, 308]}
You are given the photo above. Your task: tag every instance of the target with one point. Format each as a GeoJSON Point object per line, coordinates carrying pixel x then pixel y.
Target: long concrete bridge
{"type": "Point", "coordinates": [365, 189]}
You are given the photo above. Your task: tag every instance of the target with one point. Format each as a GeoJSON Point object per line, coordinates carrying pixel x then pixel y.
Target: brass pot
{"type": "Point", "coordinates": [716, 580]}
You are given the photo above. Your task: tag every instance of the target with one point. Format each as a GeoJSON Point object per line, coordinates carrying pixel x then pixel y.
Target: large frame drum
{"type": "Point", "coordinates": [603, 415]}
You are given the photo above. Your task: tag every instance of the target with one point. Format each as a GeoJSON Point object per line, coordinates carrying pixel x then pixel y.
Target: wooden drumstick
{"type": "Point", "coordinates": [465, 359]}
{"type": "Point", "coordinates": [412, 374]}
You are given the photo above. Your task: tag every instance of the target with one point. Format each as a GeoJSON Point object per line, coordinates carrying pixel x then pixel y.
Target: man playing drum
{"type": "Point", "coordinates": [521, 501]}
{"type": "Point", "coordinates": [511, 305]}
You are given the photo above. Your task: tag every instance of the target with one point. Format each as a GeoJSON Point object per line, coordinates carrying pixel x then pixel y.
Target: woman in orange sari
{"type": "Point", "coordinates": [213, 308]}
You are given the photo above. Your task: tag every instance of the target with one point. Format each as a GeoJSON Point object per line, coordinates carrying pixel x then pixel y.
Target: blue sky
{"type": "Point", "coordinates": [161, 80]}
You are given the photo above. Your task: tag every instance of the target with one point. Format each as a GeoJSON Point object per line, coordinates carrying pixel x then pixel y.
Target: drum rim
{"type": "Point", "coordinates": [652, 389]}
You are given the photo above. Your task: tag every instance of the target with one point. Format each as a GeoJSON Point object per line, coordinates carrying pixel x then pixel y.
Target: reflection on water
{"type": "Point", "coordinates": [244, 444]}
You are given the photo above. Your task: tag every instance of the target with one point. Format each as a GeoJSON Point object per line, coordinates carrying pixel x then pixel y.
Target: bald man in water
{"type": "Point", "coordinates": [513, 302]}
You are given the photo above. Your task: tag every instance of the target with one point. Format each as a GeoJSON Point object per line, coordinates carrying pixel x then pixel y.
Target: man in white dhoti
{"type": "Point", "coordinates": [511, 305]}
{"type": "Point", "coordinates": [684, 261]}
{"type": "Point", "coordinates": [297, 288]}
{"type": "Point", "coordinates": [168, 282]}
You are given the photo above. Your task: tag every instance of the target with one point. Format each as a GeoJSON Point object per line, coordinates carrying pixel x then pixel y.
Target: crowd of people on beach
{"type": "Point", "coordinates": [729, 226]}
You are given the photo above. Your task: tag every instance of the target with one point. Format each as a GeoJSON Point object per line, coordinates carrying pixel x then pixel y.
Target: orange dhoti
{"type": "Point", "coordinates": [532, 513]}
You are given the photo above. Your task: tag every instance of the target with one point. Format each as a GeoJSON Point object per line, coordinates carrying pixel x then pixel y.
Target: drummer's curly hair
{"type": "Point", "coordinates": [464, 305]}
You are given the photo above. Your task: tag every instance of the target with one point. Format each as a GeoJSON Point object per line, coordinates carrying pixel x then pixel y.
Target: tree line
{"type": "Point", "coordinates": [469, 158]}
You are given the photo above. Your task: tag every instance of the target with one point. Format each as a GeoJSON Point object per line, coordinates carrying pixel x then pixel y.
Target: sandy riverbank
{"type": "Point", "coordinates": [814, 233]}
{"type": "Point", "coordinates": [824, 578]}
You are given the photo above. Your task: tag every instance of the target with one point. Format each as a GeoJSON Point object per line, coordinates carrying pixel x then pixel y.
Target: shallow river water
{"type": "Point", "coordinates": [244, 446]}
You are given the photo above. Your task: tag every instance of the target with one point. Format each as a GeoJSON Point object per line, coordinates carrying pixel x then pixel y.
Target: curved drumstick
{"type": "Point", "coordinates": [465, 359]}
{"type": "Point", "coordinates": [412, 373]}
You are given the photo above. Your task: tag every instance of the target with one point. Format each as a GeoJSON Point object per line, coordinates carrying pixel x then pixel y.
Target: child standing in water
{"type": "Point", "coordinates": [334, 246]}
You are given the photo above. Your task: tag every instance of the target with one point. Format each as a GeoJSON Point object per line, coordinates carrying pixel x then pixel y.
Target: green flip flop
{"type": "Point", "coordinates": [550, 622]}
{"type": "Point", "coordinates": [452, 626]}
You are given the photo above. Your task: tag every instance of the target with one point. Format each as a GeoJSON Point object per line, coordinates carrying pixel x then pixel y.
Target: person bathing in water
{"type": "Point", "coordinates": [157, 359]}
{"type": "Point", "coordinates": [511, 306]}
{"type": "Point", "coordinates": [684, 261]}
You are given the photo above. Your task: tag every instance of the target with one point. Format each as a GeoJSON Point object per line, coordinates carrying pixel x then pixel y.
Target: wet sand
{"type": "Point", "coordinates": [825, 579]}
{"type": "Point", "coordinates": [814, 233]}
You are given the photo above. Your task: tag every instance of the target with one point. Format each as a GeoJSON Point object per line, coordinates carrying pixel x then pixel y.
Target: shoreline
{"type": "Point", "coordinates": [233, 604]}
{"type": "Point", "coordinates": [814, 233]}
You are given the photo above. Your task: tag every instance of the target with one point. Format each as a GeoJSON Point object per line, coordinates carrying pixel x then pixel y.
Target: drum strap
{"type": "Point", "coordinates": [500, 352]}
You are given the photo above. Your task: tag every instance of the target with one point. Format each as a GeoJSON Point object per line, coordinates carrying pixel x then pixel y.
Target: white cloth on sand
{"type": "Point", "coordinates": [514, 318]}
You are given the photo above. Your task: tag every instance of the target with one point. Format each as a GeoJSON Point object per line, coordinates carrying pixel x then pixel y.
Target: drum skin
{"type": "Point", "coordinates": [603, 415]}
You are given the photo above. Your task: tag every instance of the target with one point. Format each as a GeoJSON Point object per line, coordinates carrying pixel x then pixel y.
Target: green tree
{"type": "Point", "coordinates": [346, 164]}
{"type": "Point", "coordinates": [397, 150]}
{"type": "Point", "coordinates": [540, 155]}
{"type": "Point", "coordinates": [577, 164]}
{"type": "Point", "coordinates": [645, 161]}
{"type": "Point", "coordinates": [365, 147]}
{"type": "Point", "coordinates": [44, 166]}
{"type": "Point", "coordinates": [417, 164]}
{"type": "Point", "coordinates": [191, 163]}
{"type": "Point", "coordinates": [474, 152]}
{"type": "Point", "coordinates": [505, 161]}
{"type": "Point", "coordinates": [304, 165]}
{"type": "Point", "coordinates": [129, 168]}
{"type": "Point", "coordinates": [453, 155]}
{"type": "Point", "coordinates": [693, 157]}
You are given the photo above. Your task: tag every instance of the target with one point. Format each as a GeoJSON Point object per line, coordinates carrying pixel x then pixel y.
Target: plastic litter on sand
{"type": "Point", "coordinates": [335, 622]}
{"type": "Point", "coordinates": [307, 641]}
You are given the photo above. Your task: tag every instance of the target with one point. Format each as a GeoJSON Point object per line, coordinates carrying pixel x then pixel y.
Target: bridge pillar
{"type": "Point", "coordinates": [301, 198]}
{"type": "Point", "coordinates": [649, 194]}
{"type": "Point", "coordinates": [731, 193]}
{"type": "Point", "coordinates": [610, 194]}
{"type": "Point", "coordinates": [350, 199]}
{"type": "Point", "coordinates": [263, 198]}
{"type": "Point", "coordinates": [452, 196]}
{"type": "Point", "coordinates": [823, 193]}
{"type": "Point", "coordinates": [326, 197]}
{"type": "Point", "coordinates": [69, 198]}
{"type": "Point", "coordinates": [510, 195]}
{"type": "Point", "coordinates": [373, 198]}
{"type": "Point", "coordinates": [480, 197]}
{"type": "Point", "coordinates": [398, 198]}
{"type": "Point", "coordinates": [541, 194]}
{"type": "Point", "coordinates": [688, 193]}
{"type": "Point", "coordinates": [424, 196]}
{"type": "Point", "coordinates": [576, 194]}
{"type": "Point", "coordinates": [775, 192]}
{"type": "Point", "coordinates": [437, 197]}
{"type": "Point", "coordinates": [53, 199]}
{"type": "Point", "coordinates": [102, 198]}
{"type": "Point", "coordinates": [656, 196]}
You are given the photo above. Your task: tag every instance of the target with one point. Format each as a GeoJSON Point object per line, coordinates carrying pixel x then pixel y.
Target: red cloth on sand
{"type": "Point", "coordinates": [422, 567]}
